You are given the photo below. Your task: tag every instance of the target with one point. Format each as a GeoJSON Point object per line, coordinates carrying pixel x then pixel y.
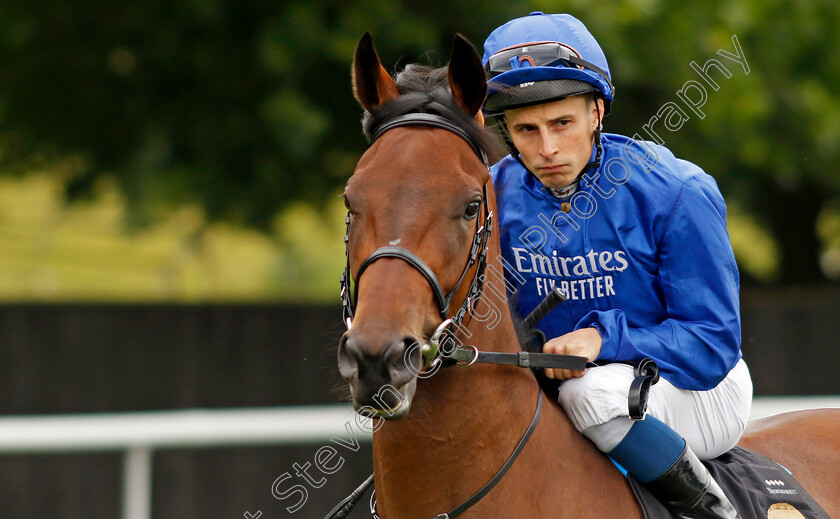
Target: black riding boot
{"type": "Point", "coordinates": [688, 491]}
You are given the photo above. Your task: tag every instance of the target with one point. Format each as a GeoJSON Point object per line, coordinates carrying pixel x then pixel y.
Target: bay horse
{"type": "Point", "coordinates": [419, 204]}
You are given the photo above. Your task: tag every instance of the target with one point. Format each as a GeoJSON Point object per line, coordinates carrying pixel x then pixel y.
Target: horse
{"type": "Point", "coordinates": [420, 202]}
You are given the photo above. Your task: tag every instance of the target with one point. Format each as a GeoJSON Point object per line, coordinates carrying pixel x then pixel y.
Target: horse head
{"type": "Point", "coordinates": [417, 208]}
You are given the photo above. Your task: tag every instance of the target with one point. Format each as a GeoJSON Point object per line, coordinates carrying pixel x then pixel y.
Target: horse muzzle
{"type": "Point", "coordinates": [382, 380]}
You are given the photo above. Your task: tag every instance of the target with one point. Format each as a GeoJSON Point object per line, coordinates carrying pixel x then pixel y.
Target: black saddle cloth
{"type": "Point", "coordinates": [754, 484]}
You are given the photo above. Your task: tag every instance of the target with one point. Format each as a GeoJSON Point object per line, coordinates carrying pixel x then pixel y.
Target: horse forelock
{"type": "Point", "coordinates": [426, 90]}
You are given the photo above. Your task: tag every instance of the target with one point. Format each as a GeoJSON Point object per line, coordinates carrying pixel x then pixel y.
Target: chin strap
{"type": "Point", "coordinates": [595, 164]}
{"type": "Point", "coordinates": [505, 131]}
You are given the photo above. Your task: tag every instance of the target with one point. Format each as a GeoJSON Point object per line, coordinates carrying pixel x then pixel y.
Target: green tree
{"type": "Point", "coordinates": [241, 106]}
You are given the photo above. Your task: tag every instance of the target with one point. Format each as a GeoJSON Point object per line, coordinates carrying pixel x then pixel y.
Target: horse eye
{"type": "Point", "coordinates": [472, 209]}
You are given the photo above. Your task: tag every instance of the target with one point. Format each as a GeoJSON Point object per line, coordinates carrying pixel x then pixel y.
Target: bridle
{"type": "Point", "coordinates": [445, 332]}
{"type": "Point", "coordinates": [477, 255]}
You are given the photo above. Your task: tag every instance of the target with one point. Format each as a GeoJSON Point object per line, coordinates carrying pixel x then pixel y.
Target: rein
{"type": "Point", "coordinates": [475, 498]}
{"type": "Point", "coordinates": [432, 352]}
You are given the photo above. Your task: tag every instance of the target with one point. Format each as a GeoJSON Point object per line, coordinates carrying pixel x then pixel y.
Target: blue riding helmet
{"type": "Point", "coordinates": [540, 58]}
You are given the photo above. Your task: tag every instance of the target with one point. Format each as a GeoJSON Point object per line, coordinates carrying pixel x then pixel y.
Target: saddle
{"type": "Point", "coordinates": [757, 486]}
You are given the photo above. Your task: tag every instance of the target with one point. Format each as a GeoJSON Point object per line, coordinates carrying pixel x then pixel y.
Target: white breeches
{"type": "Point", "coordinates": [711, 422]}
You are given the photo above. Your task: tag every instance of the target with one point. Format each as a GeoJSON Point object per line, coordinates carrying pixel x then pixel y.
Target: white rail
{"type": "Point", "coordinates": [173, 429]}
{"type": "Point", "coordinates": [138, 435]}
{"type": "Point", "coordinates": [768, 406]}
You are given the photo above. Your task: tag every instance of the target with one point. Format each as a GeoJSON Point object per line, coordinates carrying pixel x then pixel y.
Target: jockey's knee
{"type": "Point", "coordinates": [607, 436]}
{"type": "Point", "coordinates": [597, 397]}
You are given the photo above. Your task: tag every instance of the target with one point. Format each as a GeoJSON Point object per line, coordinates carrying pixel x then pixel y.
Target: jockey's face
{"type": "Point", "coordinates": [555, 139]}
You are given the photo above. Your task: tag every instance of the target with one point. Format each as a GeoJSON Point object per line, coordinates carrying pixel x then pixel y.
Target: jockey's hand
{"type": "Point", "coordinates": [585, 342]}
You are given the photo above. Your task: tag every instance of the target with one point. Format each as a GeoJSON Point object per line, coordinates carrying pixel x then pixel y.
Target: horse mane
{"type": "Point", "coordinates": [425, 89]}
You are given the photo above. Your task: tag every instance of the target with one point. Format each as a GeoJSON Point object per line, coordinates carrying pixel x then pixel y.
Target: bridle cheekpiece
{"type": "Point", "coordinates": [477, 254]}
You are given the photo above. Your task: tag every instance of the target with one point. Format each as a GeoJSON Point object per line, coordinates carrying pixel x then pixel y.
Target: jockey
{"type": "Point", "coordinates": [637, 240]}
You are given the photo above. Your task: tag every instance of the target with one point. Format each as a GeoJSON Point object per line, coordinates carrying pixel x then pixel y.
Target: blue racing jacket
{"type": "Point", "coordinates": [642, 252]}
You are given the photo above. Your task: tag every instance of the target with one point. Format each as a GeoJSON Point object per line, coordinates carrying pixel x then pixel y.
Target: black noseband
{"type": "Point", "coordinates": [414, 261]}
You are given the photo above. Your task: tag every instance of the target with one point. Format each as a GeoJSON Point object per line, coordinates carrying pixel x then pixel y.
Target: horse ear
{"type": "Point", "coordinates": [372, 85]}
{"type": "Point", "coordinates": [466, 76]}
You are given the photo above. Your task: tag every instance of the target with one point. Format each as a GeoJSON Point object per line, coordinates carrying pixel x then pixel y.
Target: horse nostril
{"type": "Point", "coordinates": [349, 355]}
{"type": "Point", "coordinates": [403, 360]}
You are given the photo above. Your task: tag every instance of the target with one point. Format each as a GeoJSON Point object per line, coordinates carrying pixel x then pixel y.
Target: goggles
{"type": "Point", "coordinates": [539, 54]}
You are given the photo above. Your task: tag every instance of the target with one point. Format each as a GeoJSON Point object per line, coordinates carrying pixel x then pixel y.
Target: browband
{"type": "Point", "coordinates": [432, 121]}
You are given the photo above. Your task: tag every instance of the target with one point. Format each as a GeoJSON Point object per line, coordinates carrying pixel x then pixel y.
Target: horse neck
{"type": "Point", "coordinates": [465, 422]}
{"type": "Point", "coordinates": [455, 415]}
